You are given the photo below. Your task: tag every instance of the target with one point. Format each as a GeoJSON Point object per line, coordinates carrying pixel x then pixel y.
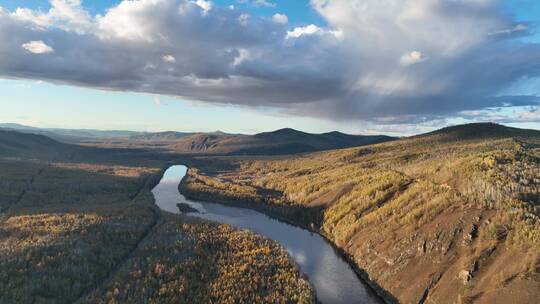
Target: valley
{"type": "Point", "coordinates": [446, 217]}
{"type": "Point", "coordinates": [333, 280]}
{"type": "Point", "coordinates": [270, 152]}
{"type": "Point", "coordinates": [450, 216]}
{"type": "Point", "coordinates": [79, 225]}
{"type": "Point", "coordinates": [280, 142]}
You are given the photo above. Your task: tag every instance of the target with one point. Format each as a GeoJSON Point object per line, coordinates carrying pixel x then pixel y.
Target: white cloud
{"type": "Point", "coordinates": [412, 58]}
{"type": "Point", "coordinates": [353, 68]}
{"type": "Point", "coordinates": [304, 30]}
{"type": "Point", "coordinates": [37, 47]}
{"type": "Point", "coordinates": [265, 3]}
{"type": "Point", "coordinates": [515, 114]}
{"type": "Point", "coordinates": [37, 19]}
{"type": "Point", "coordinates": [68, 15]}
{"type": "Point", "coordinates": [243, 54]}
{"type": "Point", "coordinates": [168, 58]}
{"type": "Point", "coordinates": [280, 18]}
{"type": "Point", "coordinates": [532, 115]}
{"type": "Point", "coordinates": [129, 20]}
{"type": "Point", "coordinates": [518, 28]}
{"type": "Point", "coordinates": [206, 5]}
{"type": "Point", "coordinates": [312, 29]}
{"type": "Point", "coordinates": [243, 19]}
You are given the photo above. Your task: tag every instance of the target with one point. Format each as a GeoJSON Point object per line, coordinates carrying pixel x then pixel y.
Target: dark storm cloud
{"type": "Point", "coordinates": [384, 61]}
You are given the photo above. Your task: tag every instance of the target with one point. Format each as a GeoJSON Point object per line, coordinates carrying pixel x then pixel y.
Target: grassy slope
{"type": "Point", "coordinates": [89, 232]}
{"type": "Point", "coordinates": [448, 217]}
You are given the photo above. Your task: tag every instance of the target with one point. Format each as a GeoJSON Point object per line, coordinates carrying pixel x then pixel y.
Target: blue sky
{"type": "Point", "coordinates": [526, 10]}
{"type": "Point", "coordinates": [40, 101]}
{"type": "Point", "coordinates": [299, 12]}
{"type": "Point", "coordinates": [56, 106]}
{"type": "Point", "coordinates": [49, 105]}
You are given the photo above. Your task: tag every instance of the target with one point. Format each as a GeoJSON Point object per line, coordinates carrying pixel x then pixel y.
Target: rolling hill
{"type": "Point", "coordinates": [478, 131]}
{"type": "Point", "coordinates": [283, 141]}
{"type": "Point", "coordinates": [17, 144]}
{"type": "Point", "coordinates": [28, 146]}
{"type": "Point", "coordinates": [452, 216]}
{"type": "Point", "coordinates": [69, 135]}
{"type": "Point", "coordinates": [160, 136]}
{"type": "Point", "coordinates": [454, 213]}
{"type": "Point", "coordinates": [280, 142]}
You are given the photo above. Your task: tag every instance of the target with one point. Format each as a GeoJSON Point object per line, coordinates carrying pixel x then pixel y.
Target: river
{"type": "Point", "coordinates": [334, 280]}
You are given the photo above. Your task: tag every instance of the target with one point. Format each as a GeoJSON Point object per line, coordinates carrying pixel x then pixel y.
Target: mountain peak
{"type": "Point", "coordinates": [480, 130]}
{"type": "Point", "coordinates": [282, 132]}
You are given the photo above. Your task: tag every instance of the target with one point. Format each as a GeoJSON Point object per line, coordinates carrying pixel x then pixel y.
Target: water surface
{"type": "Point", "coordinates": [333, 279]}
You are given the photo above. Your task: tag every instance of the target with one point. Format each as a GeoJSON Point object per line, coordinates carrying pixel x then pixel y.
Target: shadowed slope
{"type": "Point", "coordinates": [16, 144]}
{"type": "Point", "coordinates": [479, 131]}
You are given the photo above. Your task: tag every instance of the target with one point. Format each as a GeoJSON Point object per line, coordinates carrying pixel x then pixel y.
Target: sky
{"type": "Point", "coordinates": [246, 66]}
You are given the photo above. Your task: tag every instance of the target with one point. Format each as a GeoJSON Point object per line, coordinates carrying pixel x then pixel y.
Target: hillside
{"type": "Point", "coordinates": [88, 231]}
{"type": "Point", "coordinates": [159, 136]}
{"type": "Point", "coordinates": [451, 216]}
{"type": "Point", "coordinates": [479, 131]}
{"type": "Point", "coordinates": [280, 142]}
{"type": "Point", "coordinates": [69, 135]}
{"type": "Point", "coordinates": [17, 144]}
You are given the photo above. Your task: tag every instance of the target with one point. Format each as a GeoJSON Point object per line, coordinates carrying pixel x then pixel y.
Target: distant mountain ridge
{"type": "Point", "coordinates": [23, 140]}
{"type": "Point", "coordinates": [454, 213]}
{"type": "Point", "coordinates": [69, 135]}
{"type": "Point", "coordinates": [167, 135]}
{"type": "Point", "coordinates": [278, 142]}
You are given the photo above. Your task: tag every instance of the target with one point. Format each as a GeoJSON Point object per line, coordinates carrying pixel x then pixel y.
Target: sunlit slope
{"type": "Point", "coordinates": [445, 217]}
{"type": "Point", "coordinates": [190, 261]}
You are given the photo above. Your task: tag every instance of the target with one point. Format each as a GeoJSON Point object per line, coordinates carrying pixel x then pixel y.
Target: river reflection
{"type": "Point", "coordinates": [332, 277]}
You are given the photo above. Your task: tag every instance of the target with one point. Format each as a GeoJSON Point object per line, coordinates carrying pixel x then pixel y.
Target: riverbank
{"type": "Point", "coordinates": [234, 265]}
{"type": "Point", "coordinates": [284, 215]}
{"type": "Point", "coordinates": [189, 260]}
{"type": "Point", "coordinates": [335, 281]}
{"type": "Point", "coordinates": [415, 227]}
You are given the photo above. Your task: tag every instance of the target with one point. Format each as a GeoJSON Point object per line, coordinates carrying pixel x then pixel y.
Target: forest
{"type": "Point", "coordinates": [455, 213]}
{"type": "Point", "coordinates": [450, 216]}
{"type": "Point", "coordinates": [79, 225]}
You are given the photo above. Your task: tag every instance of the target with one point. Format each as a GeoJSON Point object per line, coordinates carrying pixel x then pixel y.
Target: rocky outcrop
{"type": "Point", "coordinates": [186, 208]}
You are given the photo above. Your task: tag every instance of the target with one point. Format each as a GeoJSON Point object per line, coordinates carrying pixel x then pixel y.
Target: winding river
{"type": "Point", "coordinates": [334, 280]}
